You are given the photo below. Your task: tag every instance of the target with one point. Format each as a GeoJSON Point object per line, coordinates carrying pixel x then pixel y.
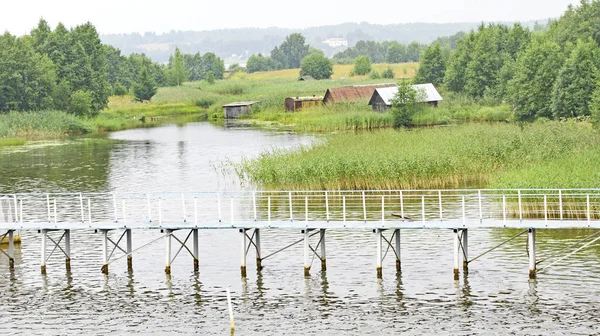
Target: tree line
{"type": "Point", "coordinates": [548, 73]}
{"type": "Point", "coordinates": [71, 70]}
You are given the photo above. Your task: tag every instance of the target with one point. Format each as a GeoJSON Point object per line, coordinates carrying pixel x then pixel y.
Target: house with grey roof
{"type": "Point", "coordinates": [381, 99]}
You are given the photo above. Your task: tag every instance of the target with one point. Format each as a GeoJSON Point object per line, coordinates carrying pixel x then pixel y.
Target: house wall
{"type": "Point", "coordinates": [379, 104]}
{"type": "Point", "coordinates": [235, 111]}
{"type": "Point", "coordinates": [289, 104]}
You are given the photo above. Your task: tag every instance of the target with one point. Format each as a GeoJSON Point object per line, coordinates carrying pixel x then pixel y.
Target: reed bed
{"type": "Point", "coordinates": [41, 125]}
{"type": "Point", "coordinates": [469, 155]}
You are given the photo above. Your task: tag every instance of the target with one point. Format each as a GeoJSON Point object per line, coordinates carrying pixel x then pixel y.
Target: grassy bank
{"type": "Point", "coordinates": [401, 70]}
{"type": "Point", "coordinates": [448, 157]}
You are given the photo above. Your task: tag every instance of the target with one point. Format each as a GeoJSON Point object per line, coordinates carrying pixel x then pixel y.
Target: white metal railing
{"type": "Point", "coordinates": [231, 208]}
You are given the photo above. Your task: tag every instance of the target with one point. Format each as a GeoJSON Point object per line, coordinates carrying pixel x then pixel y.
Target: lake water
{"type": "Point", "coordinates": [495, 297]}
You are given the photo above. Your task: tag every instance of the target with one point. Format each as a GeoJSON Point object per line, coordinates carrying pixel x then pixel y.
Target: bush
{"type": "Point", "coordinates": [388, 73]}
{"type": "Point", "coordinates": [205, 102]}
{"type": "Point", "coordinates": [119, 90]}
{"type": "Point", "coordinates": [210, 78]}
{"type": "Point", "coordinates": [374, 74]}
{"type": "Point", "coordinates": [317, 66]}
{"type": "Point", "coordinates": [81, 104]}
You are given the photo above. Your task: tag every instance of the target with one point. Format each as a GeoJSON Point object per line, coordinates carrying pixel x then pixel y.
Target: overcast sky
{"type": "Point", "coordinates": [126, 16]}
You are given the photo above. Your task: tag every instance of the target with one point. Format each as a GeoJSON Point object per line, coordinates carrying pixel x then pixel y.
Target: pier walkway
{"type": "Point", "coordinates": [383, 212]}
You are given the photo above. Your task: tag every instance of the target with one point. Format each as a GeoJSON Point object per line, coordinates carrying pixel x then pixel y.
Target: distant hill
{"type": "Point", "coordinates": [236, 45]}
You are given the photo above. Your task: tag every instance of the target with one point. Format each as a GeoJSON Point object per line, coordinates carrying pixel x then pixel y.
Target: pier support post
{"type": "Point", "coordinates": [11, 249]}
{"type": "Point", "coordinates": [129, 250]}
{"type": "Point", "coordinates": [323, 255]}
{"type": "Point", "coordinates": [378, 236]}
{"type": "Point", "coordinates": [531, 251]}
{"type": "Point", "coordinates": [456, 254]}
{"type": "Point", "coordinates": [306, 252]}
{"type": "Point", "coordinates": [398, 260]}
{"type": "Point", "coordinates": [168, 252]}
{"type": "Point", "coordinates": [195, 249]}
{"type": "Point", "coordinates": [465, 249]}
{"type": "Point", "coordinates": [68, 249]}
{"type": "Point", "coordinates": [105, 251]}
{"type": "Point", "coordinates": [243, 266]}
{"type": "Point", "coordinates": [258, 252]}
{"type": "Point", "coordinates": [43, 248]}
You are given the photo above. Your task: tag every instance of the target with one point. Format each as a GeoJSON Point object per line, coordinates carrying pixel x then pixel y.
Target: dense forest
{"type": "Point", "coordinates": [71, 70]}
{"type": "Point", "coordinates": [552, 73]}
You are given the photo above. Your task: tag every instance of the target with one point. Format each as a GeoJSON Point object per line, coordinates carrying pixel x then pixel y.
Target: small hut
{"type": "Point", "coordinates": [381, 99]}
{"type": "Point", "coordinates": [236, 109]}
{"type": "Point", "coordinates": [293, 104]}
{"type": "Point", "coordinates": [306, 78]}
{"type": "Point", "coordinates": [347, 94]}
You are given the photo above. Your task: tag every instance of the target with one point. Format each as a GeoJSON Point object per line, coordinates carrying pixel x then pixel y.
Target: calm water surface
{"type": "Point", "coordinates": [496, 297]}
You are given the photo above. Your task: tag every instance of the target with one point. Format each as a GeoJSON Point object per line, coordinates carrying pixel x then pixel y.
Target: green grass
{"type": "Point", "coordinates": [12, 142]}
{"type": "Point", "coordinates": [41, 125]}
{"type": "Point", "coordinates": [472, 155]}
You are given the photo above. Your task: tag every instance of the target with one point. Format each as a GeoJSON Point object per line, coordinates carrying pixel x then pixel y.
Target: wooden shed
{"type": "Point", "coordinates": [306, 78]}
{"type": "Point", "coordinates": [381, 99]}
{"type": "Point", "coordinates": [297, 103]}
{"type": "Point", "coordinates": [233, 110]}
{"type": "Point", "coordinates": [355, 93]}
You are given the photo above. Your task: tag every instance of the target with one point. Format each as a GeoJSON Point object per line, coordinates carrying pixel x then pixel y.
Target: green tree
{"type": "Point", "coordinates": [595, 106]}
{"type": "Point", "coordinates": [396, 53]}
{"type": "Point", "coordinates": [144, 89]}
{"type": "Point", "coordinates": [27, 79]}
{"type": "Point", "coordinates": [210, 78]}
{"type": "Point", "coordinates": [455, 77]}
{"type": "Point", "coordinates": [576, 81]}
{"type": "Point", "coordinates": [534, 77]}
{"type": "Point", "coordinates": [177, 72]}
{"type": "Point", "coordinates": [81, 104]}
{"type": "Point", "coordinates": [432, 68]}
{"type": "Point", "coordinates": [362, 66]}
{"type": "Point", "coordinates": [259, 63]}
{"type": "Point", "coordinates": [290, 53]}
{"type": "Point", "coordinates": [211, 63]}
{"type": "Point", "coordinates": [413, 51]}
{"type": "Point", "coordinates": [404, 104]}
{"type": "Point", "coordinates": [316, 65]}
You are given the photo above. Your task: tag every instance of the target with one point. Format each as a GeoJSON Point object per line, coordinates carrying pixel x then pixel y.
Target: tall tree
{"type": "Point", "coordinates": [576, 81]}
{"type": "Point", "coordinates": [144, 89]}
{"type": "Point", "coordinates": [535, 74]}
{"type": "Point", "coordinates": [177, 73]}
{"type": "Point", "coordinates": [432, 67]}
{"type": "Point", "coordinates": [396, 53]}
{"type": "Point", "coordinates": [290, 53]}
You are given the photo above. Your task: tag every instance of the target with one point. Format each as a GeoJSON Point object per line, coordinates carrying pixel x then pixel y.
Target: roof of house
{"type": "Point", "coordinates": [313, 98]}
{"type": "Point", "coordinates": [425, 93]}
{"type": "Point", "coordinates": [307, 77]}
{"type": "Point", "coordinates": [353, 93]}
{"type": "Point", "coordinates": [242, 103]}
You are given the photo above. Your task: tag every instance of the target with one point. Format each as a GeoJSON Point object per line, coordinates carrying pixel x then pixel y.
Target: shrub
{"type": "Point", "coordinates": [205, 102]}
{"type": "Point", "coordinates": [388, 73]}
{"type": "Point", "coordinates": [374, 74]}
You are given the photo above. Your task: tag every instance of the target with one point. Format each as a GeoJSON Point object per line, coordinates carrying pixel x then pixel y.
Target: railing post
{"type": "Point", "coordinates": [560, 204]}
{"type": "Point", "coordinates": [423, 208]}
{"type": "Point", "coordinates": [440, 201]}
{"type": "Point", "coordinates": [520, 206]}
{"type": "Point", "coordinates": [465, 248]}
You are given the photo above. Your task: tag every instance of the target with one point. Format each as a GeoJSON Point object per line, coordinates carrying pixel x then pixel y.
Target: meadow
{"type": "Point", "coordinates": [539, 155]}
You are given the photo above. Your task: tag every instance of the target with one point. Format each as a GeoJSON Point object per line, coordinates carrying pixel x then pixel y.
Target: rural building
{"type": "Point", "coordinates": [236, 109]}
{"type": "Point", "coordinates": [293, 104]}
{"type": "Point", "coordinates": [348, 94]}
{"type": "Point", "coordinates": [306, 78]}
{"type": "Point", "coordinates": [381, 99]}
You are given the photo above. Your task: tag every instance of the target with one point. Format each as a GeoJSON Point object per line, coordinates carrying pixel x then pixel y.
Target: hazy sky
{"type": "Point", "coordinates": [125, 16]}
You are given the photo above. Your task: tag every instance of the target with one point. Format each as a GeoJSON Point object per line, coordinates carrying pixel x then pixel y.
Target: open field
{"type": "Point", "coordinates": [401, 70]}
{"type": "Point", "coordinates": [542, 155]}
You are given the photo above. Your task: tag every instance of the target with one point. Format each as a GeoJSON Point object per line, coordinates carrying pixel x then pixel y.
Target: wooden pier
{"type": "Point", "coordinates": [385, 213]}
